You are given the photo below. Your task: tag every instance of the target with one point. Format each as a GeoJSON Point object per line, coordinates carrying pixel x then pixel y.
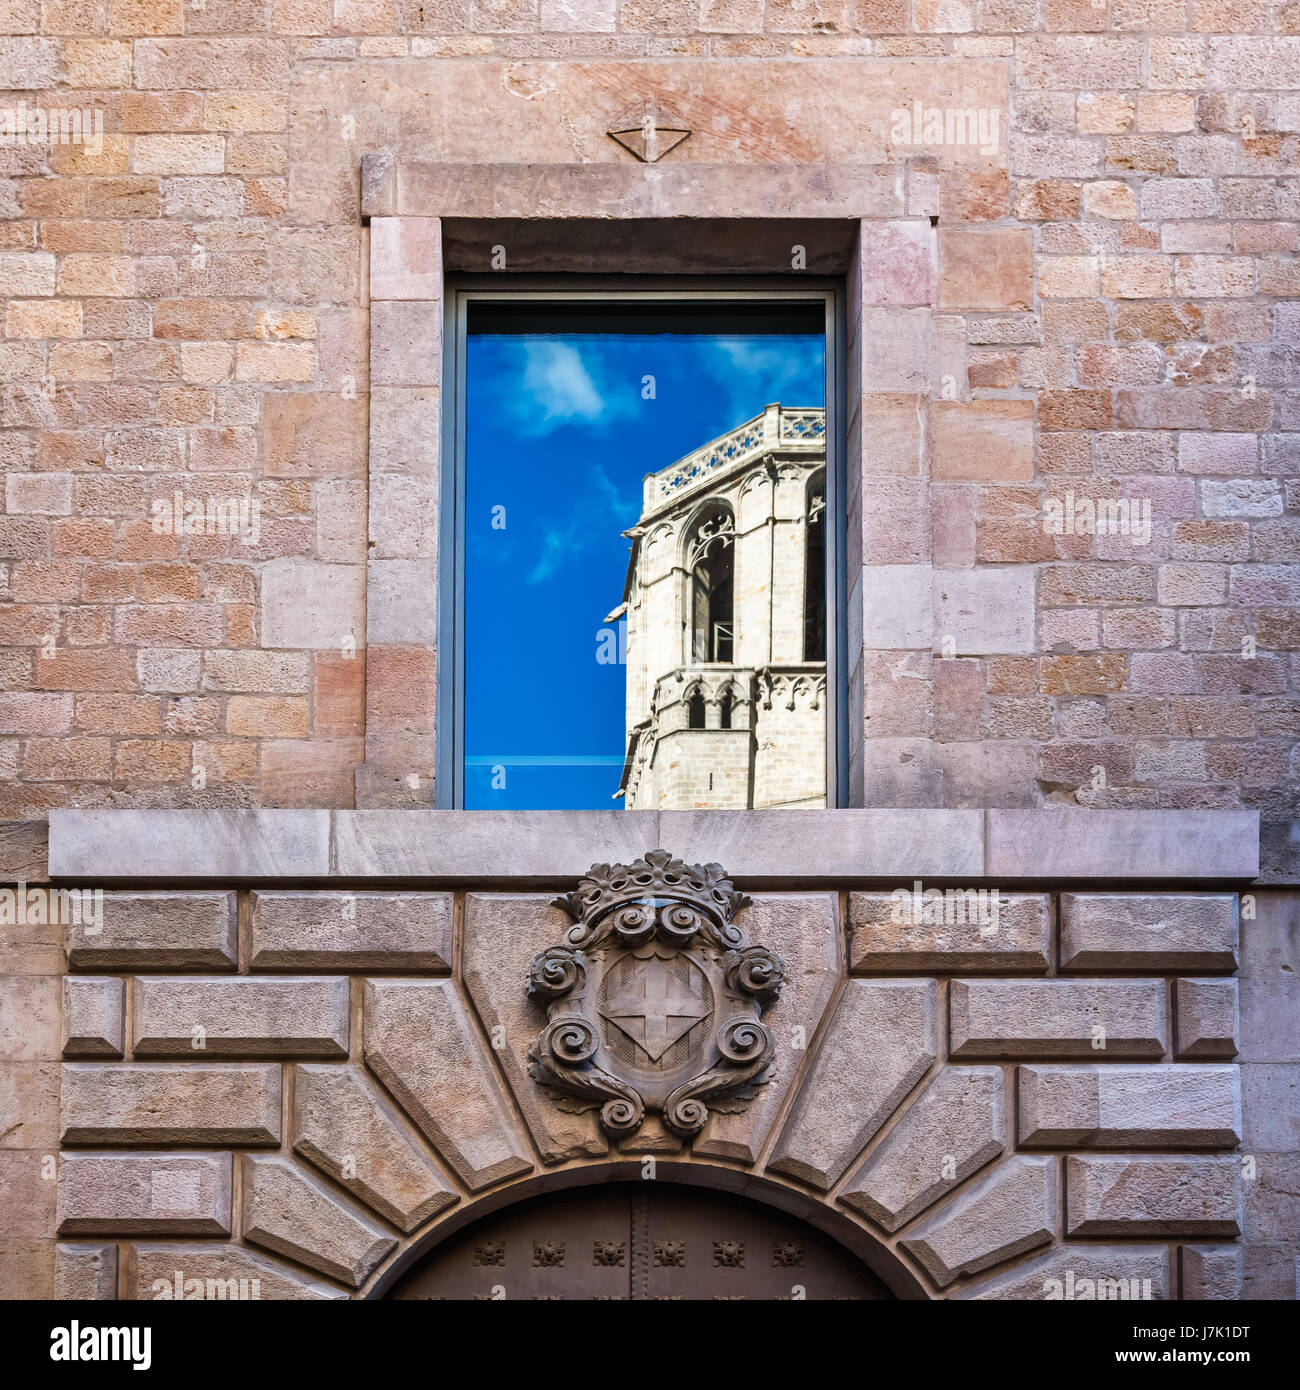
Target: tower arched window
{"type": "Point", "coordinates": [814, 590]}
{"type": "Point", "coordinates": [710, 568]}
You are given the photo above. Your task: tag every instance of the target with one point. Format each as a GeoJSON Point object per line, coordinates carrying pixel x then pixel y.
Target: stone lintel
{"type": "Point", "coordinates": [762, 849]}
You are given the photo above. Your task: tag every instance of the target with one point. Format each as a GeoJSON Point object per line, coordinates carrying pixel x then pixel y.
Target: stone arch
{"type": "Point", "coordinates": [770, 1191]}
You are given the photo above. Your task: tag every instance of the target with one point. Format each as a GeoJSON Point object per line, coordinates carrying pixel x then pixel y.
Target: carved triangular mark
{"type": "Point", "coordinates": [649, 142]}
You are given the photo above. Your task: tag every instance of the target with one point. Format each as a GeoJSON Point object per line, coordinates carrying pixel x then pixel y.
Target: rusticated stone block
{"type": "Point", "coordinates": [502, 934]}
{"type": "Point", "coordinates": [352, 931]}
{"type": "Point", "coordinates": [148, 931]}
{"type": "Point", "coordinates": [110, 1103]}
{"type": "Point", "coordinates": [1152, 1196]}
{"type": "Point", "coordinates": [956, 931]}
{"type": "Point", "coordinates": [1206, 1018]}
{"type": "Point", "coordinates": [339, 1116]}
{"type": "Point", "coordinates": [956, 1126]}
{"type": "Point", "coordinates": [176, 1016]}
{"type": "Point", "coordinates": [85, 1272]}
{"type": "Point", "coordinates": [1012, 1210]}
{"type": "Point", "coordinates": [880, 1043]}
{"type": "Point", "coordinates": [1181, 1107]}
{"type": "Point", "coordinates": [219, 1272]}
{"type": "Point", "coordinates": [128, 1194]}
{"type": "Point", "coordinates": [286, 1211]}
{"type": "Point", "coordinates": [1085, 1274]}
{"type": "Point", "coordinates": [1210, 1272]}
{"type": "Point", "coordinates": [1148, 931]}
{"type": "Point", "coordinates": [1057, 1018]}
{"type": "Point", "coordinates": [92, 1017]}
{"type": "Point", "coordinates": [420, 1042]}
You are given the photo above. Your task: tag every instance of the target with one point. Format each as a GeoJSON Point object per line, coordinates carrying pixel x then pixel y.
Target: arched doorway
{"type": "Point", "coordinates": [640, 1240]}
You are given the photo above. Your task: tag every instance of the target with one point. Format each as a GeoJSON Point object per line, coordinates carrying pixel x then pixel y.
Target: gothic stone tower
{"type": "Point", "coordinates": [726, 623]}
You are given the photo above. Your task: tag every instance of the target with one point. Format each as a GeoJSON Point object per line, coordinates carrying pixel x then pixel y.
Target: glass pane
{"type": "Point", "coordinates": [644, 571]}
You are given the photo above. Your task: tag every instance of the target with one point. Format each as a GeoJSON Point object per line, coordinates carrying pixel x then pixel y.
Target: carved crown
{"type": "Point", "coordinates": [609, 886]}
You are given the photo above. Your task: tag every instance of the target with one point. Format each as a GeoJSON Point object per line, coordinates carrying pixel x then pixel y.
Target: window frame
{"type": "Point", "coordinates": [462, 291]}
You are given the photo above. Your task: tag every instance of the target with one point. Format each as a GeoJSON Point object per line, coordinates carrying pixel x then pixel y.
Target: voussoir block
{"type": "Point", "coordinates": [338, 1115]}
{"type": "Point", "coordinates": [1012, 1210]}
{"type": "Point", "coordinates": [953, 1128]}
{"type": "Point", "coordinates": [420, 1042]}
{"type": "Point", "coordinates": [880, 1043]}
{"type": "Point", "coordinates": [286, 1211]}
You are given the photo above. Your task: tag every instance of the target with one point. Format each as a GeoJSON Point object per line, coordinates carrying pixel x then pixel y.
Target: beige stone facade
{"type": "Point", "coordinates": [726, 705]}
{"type": "Point", "coordinates": [1064, 235]}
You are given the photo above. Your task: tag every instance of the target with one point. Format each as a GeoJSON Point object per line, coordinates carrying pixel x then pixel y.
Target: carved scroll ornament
{"type": "Point", "coordinates": [654, 998]}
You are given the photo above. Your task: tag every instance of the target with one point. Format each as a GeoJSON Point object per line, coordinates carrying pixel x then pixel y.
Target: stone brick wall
{"type": "Point", "coordinates": [986, 1106]}
{"type": "Point", "coordinates": [1110, 316]}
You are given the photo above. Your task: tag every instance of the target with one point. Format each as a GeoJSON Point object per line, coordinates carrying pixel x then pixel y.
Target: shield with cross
{"type": "Point", "coordinates": [654, 998]}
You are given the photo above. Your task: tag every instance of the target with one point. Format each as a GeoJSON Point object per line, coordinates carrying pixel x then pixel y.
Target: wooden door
{"type": "Point", "coordinates": [646, 1240]}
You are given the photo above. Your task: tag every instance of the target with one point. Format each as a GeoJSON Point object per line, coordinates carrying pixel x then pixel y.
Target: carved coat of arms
{"type": "Point", "coordinates": [654, 998]}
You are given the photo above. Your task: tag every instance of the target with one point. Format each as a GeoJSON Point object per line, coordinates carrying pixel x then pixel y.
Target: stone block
{"type": "Point", "coordinates": [181, 1017]}
{"type": "Point", "coordinates": [897, 607]}
{"type": "Point", "coordinates": [29, 1018]}
{"type": "Point", "coordinates": [1084, 1274]}
{"type": "Point", "coordinates": [952, 932]}
{"type": "Point", "coordinates": [405, 258]}
{"type": "Point", "coordinates": [1065, 843]}
{"type": "Point", "coordinates": [406, 342]}
{"type": "Point", "coordinates": [421, 1043]}
{"type": "Point", "coordinates": [1148, 931]}
{"type": "Point", "coordinates": [343, 1126]}
{"type": "Point", "coordinates": [159, 931]}
{"type": "Point", "coordinates": [1117, 1107]}
{"type": "Point", "coordinates": [85, 1272]}
{"type": "Point", "coordinates": [292, 1214]}
{"type": "Point", "coordinates": [351, 931]}
{"type": "Point", "coordinates": [984, 612]}
{"type": "Point", "coordinates": [1057, 1018]}
{"type": "Point", "coordinates": [956, 1126]}
{"type": "Point", "coordinates": [1206, 1018]}
{"type": "Point", "coordinates": [215, 1272]}
{"type": "Point", "coordinates": [880, 1042]}
{"type": "Point", "coordinates": [1152, 1196]}
{"type": "Point", "coordinates": [138, 1103]}
{"type": "Point", "coordinates": [307, 604]}
{"type": "Point", "coordinates": [1210, 1272]}
{"type": "Point", "coordinates": [153, 1194]}
{"type": "Point", "coordinates": [167, 845]}
{"type": "Point", "coordinates": [1011, 1210]}
{"type": "Point", "coordinates": [29, 1106]}
{"type": "Point", "coordinates": [982, 441]}
{"type": "Point", "coordinates": [92, 1017]}
{"type": "Point", "coordinates": [468, 845]}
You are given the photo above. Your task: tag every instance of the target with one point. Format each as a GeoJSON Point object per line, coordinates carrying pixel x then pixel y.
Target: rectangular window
{"type": "Point", "coordinates": [642, 564]}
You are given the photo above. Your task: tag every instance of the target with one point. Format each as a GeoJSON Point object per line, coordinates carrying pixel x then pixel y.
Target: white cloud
{"type": "Point", "coordinates": [558, 388]}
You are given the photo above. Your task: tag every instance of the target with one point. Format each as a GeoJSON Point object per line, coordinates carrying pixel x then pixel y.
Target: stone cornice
{"type": "Point", "coordinates": [827, 849]}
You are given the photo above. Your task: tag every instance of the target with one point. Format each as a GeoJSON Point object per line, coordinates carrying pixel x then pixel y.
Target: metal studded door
{"type": "Point", "coordinates": [648, 1240]}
